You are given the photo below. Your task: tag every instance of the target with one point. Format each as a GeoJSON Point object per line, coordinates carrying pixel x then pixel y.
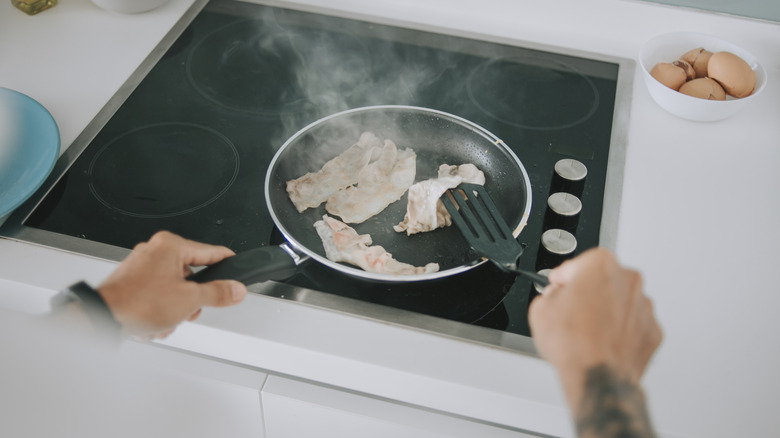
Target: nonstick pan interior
{"type": "Point", "coordinates": [437, 138]}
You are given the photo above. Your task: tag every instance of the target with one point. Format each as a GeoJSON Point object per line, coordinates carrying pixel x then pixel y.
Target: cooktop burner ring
{"type": "Point", "coordinates": [263, 67]}
{"type": "Point", "coordinates": [528, 105]}
{"type": "Point", "coordinates": [163, 170]}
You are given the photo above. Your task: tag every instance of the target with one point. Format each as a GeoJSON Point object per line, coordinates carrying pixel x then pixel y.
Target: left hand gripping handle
{"type": "Point", "coordinates": [249, 267]}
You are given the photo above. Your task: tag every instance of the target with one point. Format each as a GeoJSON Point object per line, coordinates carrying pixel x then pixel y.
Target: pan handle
{"type": "Point", "coordinates": [252, 266]}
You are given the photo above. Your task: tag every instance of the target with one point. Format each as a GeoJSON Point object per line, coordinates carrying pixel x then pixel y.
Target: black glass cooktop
{"type": "Point", "coordinates": [188, 149]}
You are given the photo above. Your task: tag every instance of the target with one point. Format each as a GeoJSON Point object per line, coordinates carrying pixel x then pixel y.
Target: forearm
{"type": "Point", "coordinates": [73, 316]}
{"type": "Point", "coordinates": [605, 404]}
{"type": "Point", "coordinates": [79, 309]}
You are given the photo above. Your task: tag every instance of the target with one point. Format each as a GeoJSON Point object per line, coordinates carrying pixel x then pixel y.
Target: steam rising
{"type": "Point", "coordinates": [349, 66]}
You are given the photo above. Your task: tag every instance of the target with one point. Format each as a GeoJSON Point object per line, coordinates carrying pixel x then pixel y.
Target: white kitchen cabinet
{"type": "Point", "coordinates": [293, 408]}
{"type": "Point", "coordinates": [218, 398]}
{"type": "Point", "coordinates": [66, 383]}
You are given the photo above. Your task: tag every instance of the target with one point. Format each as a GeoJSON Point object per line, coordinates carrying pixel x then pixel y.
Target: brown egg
{"type": "Point", "coordinates": [733, 73]}
{"type": "Point", "coordinates": [704, 88]}
{"type": "Point", "coordinates": [699, 58]}
{"type": "Point", "coordinates": [690, 73]}
{"type": "Point", "coordinates": [669, 75]}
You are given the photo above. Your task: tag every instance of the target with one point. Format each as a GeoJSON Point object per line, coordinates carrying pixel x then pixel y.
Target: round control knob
{"type": "Point", "coordinates": [569, 176]}
{"type": "Point", "coordinates": [557, 245]}
{"type": "Point", "coordinates": [563, 211]}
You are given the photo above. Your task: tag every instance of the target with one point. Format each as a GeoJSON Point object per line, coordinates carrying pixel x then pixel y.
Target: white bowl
{"type": "Point", "coordinates": [129, 6]}
{"type": "Point", "coordinates": [668, 48]}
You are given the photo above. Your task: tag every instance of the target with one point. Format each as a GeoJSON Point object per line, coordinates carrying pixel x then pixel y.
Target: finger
{"type": "Point", "coordinates": [652, 335]}
{"type": "Point", "coordinates": [562, 274]}
{"type": "Point", "coordinates": [533, 310]}
{"type": "Point", "coordinates": [632, 281]}
{"type": "Point", "coordinates": [195, 315]}
{"type": "Point", "coordinates": [221, 293]}
{"type": "Point", "coordinates": [200, 254]}
{"type": "Point", "coordinates": [568, 270]}
{"type": "Point", "coordinates": [164, 335]}
{"type": "Point", "coordinates": [192, 252]}
{"type": "Point", "coordinates": [627, 291]}
{"type": "Point", "coordinates": [595, 262]}
{"type": "Point", "coordinates": [538, 305]}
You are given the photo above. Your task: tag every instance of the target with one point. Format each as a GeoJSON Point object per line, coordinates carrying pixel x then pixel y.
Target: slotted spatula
{"type": "Point", "coordinates": [485, 229]}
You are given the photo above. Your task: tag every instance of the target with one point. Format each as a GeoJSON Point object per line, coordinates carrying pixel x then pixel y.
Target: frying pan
{"type": "Point", "coordinates": [437, 138]}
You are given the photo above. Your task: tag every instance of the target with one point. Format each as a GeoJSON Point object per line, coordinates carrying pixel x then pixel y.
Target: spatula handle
{"type": "Point", "coordinates": [539, 279]}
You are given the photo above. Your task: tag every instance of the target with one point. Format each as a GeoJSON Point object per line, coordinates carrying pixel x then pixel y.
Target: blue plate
{"type": "Point", "coordinates": [29, 147]}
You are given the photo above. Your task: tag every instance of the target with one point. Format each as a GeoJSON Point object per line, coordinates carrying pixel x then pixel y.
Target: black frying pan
{"type": "Point", "coordinates": [437, 138]}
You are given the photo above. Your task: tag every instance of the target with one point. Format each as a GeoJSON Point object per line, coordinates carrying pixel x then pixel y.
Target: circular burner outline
{"type": "Point", "coordinates": [302, 102]}
{"type": "Point", "coordinates": [592, 110]}
{"type": "Point", "coordinates": [227, 186]}
{"type": "Point", "coordinates": [208, 96]}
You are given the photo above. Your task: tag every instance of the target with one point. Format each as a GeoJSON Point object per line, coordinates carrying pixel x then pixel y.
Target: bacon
{"type": "Point", "coordinates": [379, 184]}
{"type": "Point", "coordinates": [313, 189]}
{"type": "Point", "coordinates": [343, 244]}
{"type": "Point", "coordinates": [424, 210]}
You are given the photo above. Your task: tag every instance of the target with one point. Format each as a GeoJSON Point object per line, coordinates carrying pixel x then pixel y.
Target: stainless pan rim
{"type": "Point", "coordinates": [355, 271]}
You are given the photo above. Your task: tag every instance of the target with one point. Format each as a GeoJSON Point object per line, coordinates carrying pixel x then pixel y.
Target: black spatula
{"type": "Point", "coordinates": [485, 229]}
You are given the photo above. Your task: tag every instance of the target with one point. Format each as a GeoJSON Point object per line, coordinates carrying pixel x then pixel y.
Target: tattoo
{"type": "Point", "coordinates": [612, 407]}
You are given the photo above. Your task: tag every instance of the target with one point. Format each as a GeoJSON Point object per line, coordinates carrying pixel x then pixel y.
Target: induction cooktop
{"type": "Point", "coordinates": [186, 144]}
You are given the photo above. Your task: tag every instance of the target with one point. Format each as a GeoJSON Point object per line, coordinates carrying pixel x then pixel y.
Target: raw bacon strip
{"type": "Point", "coordinates": [424, 210]}
{"type": "Point", "coordinates": [343, 244]}
{"type": "Point", "coordinates": [313, 189]}
{"type": "Point", "coordinates": [468, 172]}
{"type": "Point", "coordinates": [379, 184]}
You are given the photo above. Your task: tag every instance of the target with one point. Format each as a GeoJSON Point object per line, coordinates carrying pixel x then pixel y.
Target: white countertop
{"type": "Point", "coordinates": [698, 218]}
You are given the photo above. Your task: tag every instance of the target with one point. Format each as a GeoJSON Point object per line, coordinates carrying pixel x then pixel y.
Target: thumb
{"type": "Point", "coordinates": [221, 293]}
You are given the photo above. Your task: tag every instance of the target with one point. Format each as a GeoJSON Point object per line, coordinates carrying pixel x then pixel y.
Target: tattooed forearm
{"type": "Point", "coordinates": [612, 407]}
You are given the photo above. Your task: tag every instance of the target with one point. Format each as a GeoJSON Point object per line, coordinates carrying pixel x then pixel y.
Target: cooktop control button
{"type": "Point", "coordinates": [563, 211]}
{"type": "Point", "coordinates": [557, 246]}
{"type": "Point", "coordinates": [569, 176]}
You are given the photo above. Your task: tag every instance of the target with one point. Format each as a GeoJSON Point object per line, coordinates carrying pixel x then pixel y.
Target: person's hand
{"type": "Point", "coordinates": [148, 294]}
{"type": "Point", "coordinates": [594, 313]}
